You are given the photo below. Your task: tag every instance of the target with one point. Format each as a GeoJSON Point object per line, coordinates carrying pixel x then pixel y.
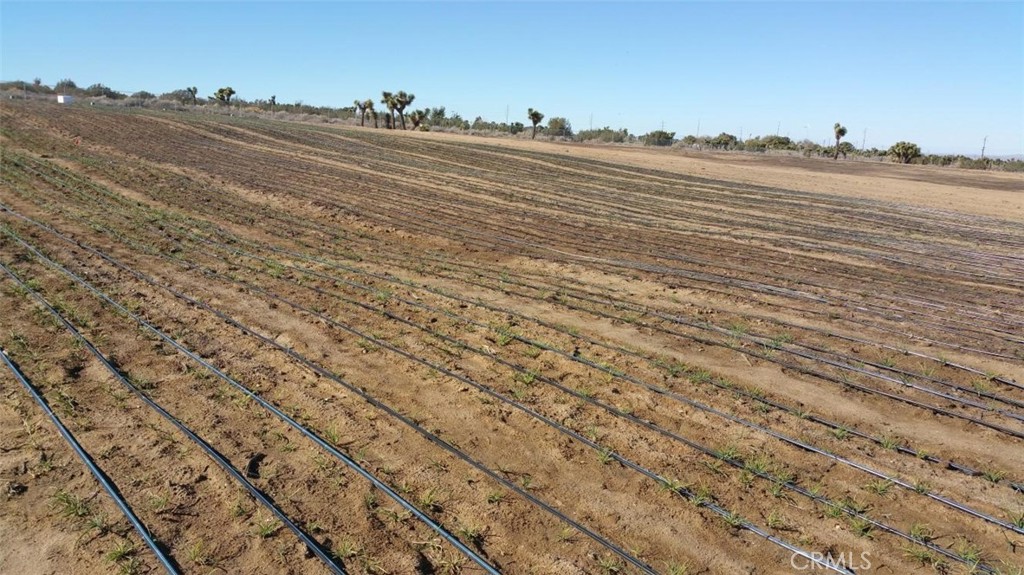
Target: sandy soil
{"type": "Point", "coordinates": [995, 194]}
{"type": "Point", "coordinates": [569, 357]}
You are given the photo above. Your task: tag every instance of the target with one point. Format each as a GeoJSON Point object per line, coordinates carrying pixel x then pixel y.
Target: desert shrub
{"type": "Point", "coordinates": [659, 138]}
{"type": "Point", "coordinates": [904, 152]}
{"type": "Point", "coordinates": [604, 134]}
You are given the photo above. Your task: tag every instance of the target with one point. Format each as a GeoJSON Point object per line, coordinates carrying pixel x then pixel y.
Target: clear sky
{"type": "Point", "coordinates": [943, 75]}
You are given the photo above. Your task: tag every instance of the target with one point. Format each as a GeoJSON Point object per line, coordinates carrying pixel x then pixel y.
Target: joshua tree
{"type": "Point", "coordinates": [368, 104]}
{"type": "Point", "coordinates": [401, 101]}
{"type": "Point", "coordinates": [192, 92]}
{"type": "Point", "coordinates": [840, 132]}
{"type": "Point", "coordinates": [536, 118]}
{"type": "Point", "coordinates": [224, 94]}
{"type": "Point", "coordinates": [361, 106]}
{"type": "Point", "coordinates": [273, 102]}
{"type": "Point", "coordinates": [389, 100]}
{"type": "Point", "coordinates": [417, 117]}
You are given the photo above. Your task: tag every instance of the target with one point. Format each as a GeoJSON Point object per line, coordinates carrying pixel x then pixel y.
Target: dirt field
{"type": "Point", "coordinates": [306, 349]}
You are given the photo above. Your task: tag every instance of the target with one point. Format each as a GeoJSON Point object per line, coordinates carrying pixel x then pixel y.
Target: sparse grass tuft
{"type": "Point", "coordinates": [198, 554]}
{"type": "Point", "coordinates": [674, 568]}
{"type": "Point", "coordinates": [993, 475]}
{"type": "Point", "coordinates": [609, 564]}
{"type": "Point", "coordinates": [758, 464]}
{"type": "Point", "coordinates": [833, 510]}
{"type": "Point", "coordinates": [526, 377]}
{"type": "Point", "coordinates": [861, 527]}
{"type": "Point", "coordinates": [922, 532]}
{"type": "Point", "coordinates": [1016, 519]}
{"type": "Point", "coordinates": [776, 520]}
{"type": "Point", "coordinates": [121, 551]}
{"type": "Point", "coordinates": [99, 523]}
{"type": "Point", "coordinates": [471, 533]}
{"type": "Point", "coordinates": [669, 484]}
{"type": "Point", "coordinates": [332, 435]}
{"type": "Point", "coordinates": [734, 520]}
{"type": "Point", "coordinates": [702, 495]}
{"type": "Point", "coordinates": [267, 528]}
{"type": "Point", "coordinates": [431, 500]}
{"type": "Point", "coordinates": [729, 452]}
{"type": "Point", "coordinates": [347, 549]}
{"type": "Point", "coordinates": [566, 534]}
{"type": "Point", "coordinates": [921, 554]}
{"type": "Point", "coordinates": [239, 510]}
{"type": "Point", "coordinates": [879, 486]}
{"type": "Point", "coordinates": [70, 505]}
{"type": "Point", "coordinates": [840, 433]}
{"type": "Point", "coordinates": [889, 442]}
{"type": "Point", "coordinates": [968, 551]}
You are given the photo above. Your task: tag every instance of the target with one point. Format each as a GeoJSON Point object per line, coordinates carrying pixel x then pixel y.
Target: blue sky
{"type": "Point", "coordinates": [943, 75]}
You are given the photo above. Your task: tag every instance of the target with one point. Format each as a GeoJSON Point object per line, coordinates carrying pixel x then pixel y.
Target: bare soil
{"type": "Point", "coordinates": [575, 359]}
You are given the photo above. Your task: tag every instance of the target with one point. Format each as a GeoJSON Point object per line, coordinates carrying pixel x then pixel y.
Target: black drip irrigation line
{"type": "Point", "coordinates": [982, 351]}
{"type": "Point", "coordinates": [392, 279]}
{"type": "Point", "coordinates": [168, 563]}
{"type": "Point", "coordinates": [847, 367]}
{"type": "Point", "coordinates": [763, 340]}
{"type": "Point", "coordinates": [266, 405]}
{"type": "Point", "coordinates": [796, 367]}
{"type": "Point", "coordinates": [313, 546]}
{"type": "Point", "coordinates": [385, 163]}
{"type": "Point", "coordinates": [622, 305]}
{"type": "Point", "coordinates": [635, 381]}
{"type": "Point", "coordinates": [612, 410]}
{"type": "Point", "coordinates": [952, 466]}
{"type": "Point", "coordinates": [625, 555]}
{"type": "Point", "coordinates": [302, 224]}
{"type": "Point", "coordinates": [687, 494]}
{"type": "Point", "coordinates": [900, 448]}
{"type": "Point", "coordinates": [253, 129]}
{"type": "Point", "coordinates": [925, 390]}
{"type": "Point", "coordinates": [419, 222]}
{"type": "Point", "coordinates": [821, 375]}
{"type": "Point", "coordinates": [787, 409]}
{"type": "Point", "coordinates": [567, 257]}
{"type": "Point", "coordinates": [839, 365]}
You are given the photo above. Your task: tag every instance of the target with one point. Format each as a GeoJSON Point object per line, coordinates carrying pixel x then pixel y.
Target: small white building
{"type": "Point", "coordinates": [62, 99]}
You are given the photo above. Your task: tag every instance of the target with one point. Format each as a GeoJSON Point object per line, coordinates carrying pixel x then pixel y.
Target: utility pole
{"type": "Point", "coordinates": [778, 129]}
{"type": "Point", "coordinates": [591, 121]}
{"type": "Point", "coordinates": [864, 139]}
{"type": "Point", "coordinates": [698, 127]}
{"type": "Point", "coordinates": [983, 142]}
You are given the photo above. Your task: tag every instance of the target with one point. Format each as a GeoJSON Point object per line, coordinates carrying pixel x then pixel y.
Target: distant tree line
{"type": "Point", "coordinates": [394, 112]}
